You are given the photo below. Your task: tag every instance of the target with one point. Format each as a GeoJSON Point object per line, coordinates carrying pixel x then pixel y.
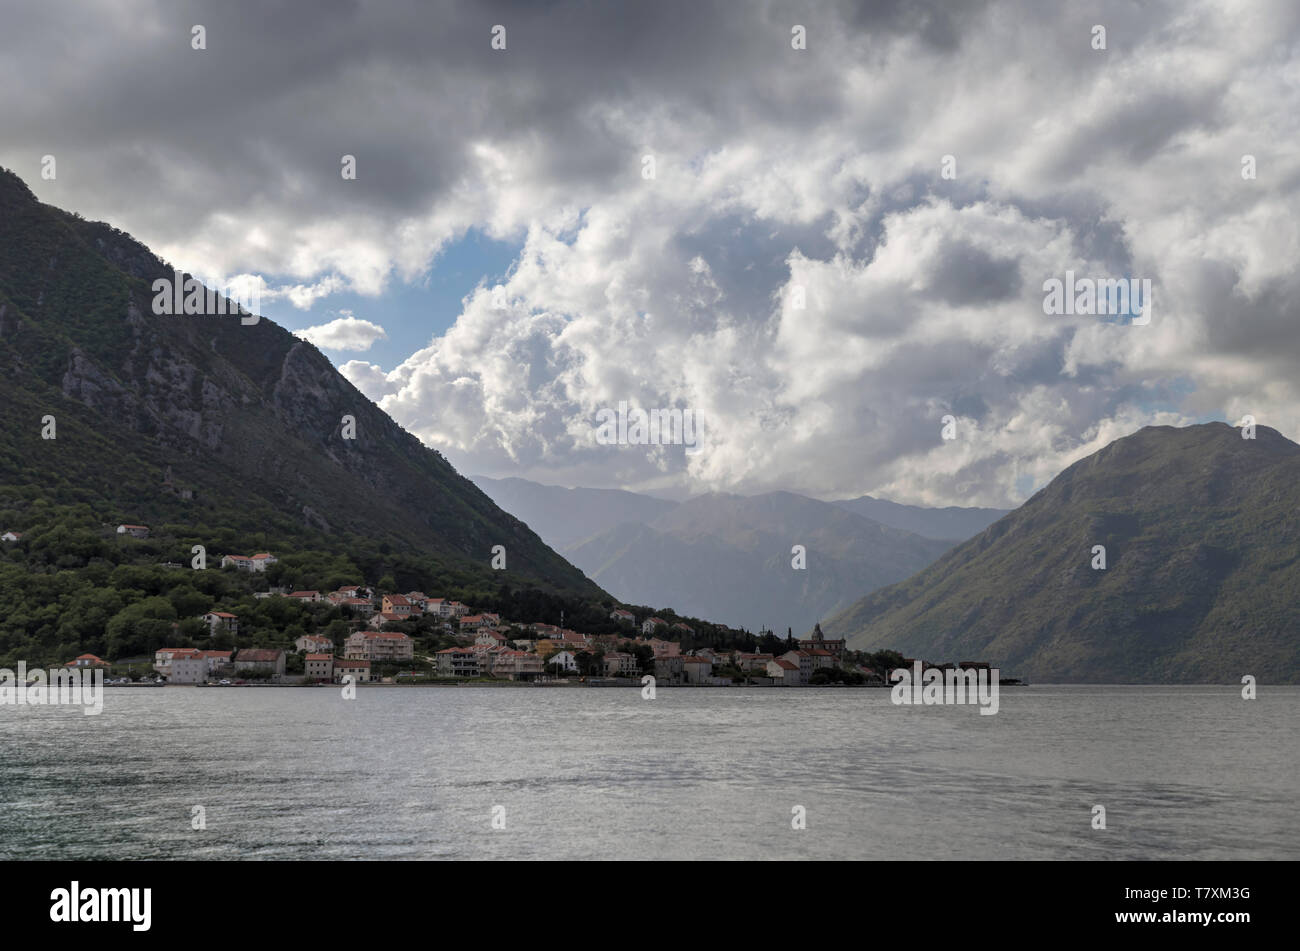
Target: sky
{"type": "Point", "coordinates": [821, 252]}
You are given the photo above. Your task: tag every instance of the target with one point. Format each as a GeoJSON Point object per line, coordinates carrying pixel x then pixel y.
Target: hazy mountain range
{"type": "Point", "coordinates": [1201, 531]}
{"type": "Point", "coordinates": [729, 558]}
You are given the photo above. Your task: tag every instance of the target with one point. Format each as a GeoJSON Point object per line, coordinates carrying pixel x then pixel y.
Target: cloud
{"type": "Point", "coordinates": [344, 333]}
{"type": "Point", "coordinates": [780, 176]}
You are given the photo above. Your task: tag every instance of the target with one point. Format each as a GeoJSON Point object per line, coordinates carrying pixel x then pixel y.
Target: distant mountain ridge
{"type": "Point", "coordinates": [951, 523]}
{"type": "Point", "coordinates": [725, 557]}
{"type": "Point", "coordinates": [1201, 531]}
{"type": "Point", "coordinates": [563, 516]}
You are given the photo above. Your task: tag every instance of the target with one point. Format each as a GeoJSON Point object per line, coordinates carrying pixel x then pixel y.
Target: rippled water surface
{"type": "Point", "coordinates": [1183, 772]}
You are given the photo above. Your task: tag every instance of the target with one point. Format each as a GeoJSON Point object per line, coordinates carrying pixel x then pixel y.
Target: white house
{"type": "Point", "coordinates": [218, 621]}
{"type": "Point", "coordinates": [258, 562]}
{"type": "Point", "coordinates": [650, 624]}
{"type": "Point", "coordinates": [564, 661]}
{"type": "Point", "coordinates": [315, 643]}
{"type": "Point", "coordinates": [784, 672]}
{"type": "Point", "coordinates": [135, 531]}
{"type": "Point", "coordinates": [11, 536]}
{"type": "Point", "coordinates": [697, 670]}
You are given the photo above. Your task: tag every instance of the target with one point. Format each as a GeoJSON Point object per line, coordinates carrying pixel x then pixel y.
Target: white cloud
{"type": "Point", "coordinates": [344, 333]}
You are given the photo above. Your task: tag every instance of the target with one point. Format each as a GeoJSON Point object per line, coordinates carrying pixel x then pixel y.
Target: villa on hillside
{"type": "Point", "coordinates": [397, 604]}
{"type": "Point", "coordinates": [135, 531]}
{"type": "Point", "coordinates": [317, 643]}
{"type": "Point", "coordinates": [219, 621]}
{"type": "Point", "coordinates": [258, 562]}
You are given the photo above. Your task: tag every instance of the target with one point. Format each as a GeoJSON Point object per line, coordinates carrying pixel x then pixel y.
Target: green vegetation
{"type": "Point", "coordinates": [1202, 565]}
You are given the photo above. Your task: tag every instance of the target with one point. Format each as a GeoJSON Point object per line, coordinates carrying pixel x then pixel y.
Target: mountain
{"type": "Point", "coordinates": [247, 418]}
{"type": "Point", "coordinates": [729, 558]}
{"type": "Point", "coordinates": [1202, 546]}
{"type": "Point", "coordinates": [563, 516]}
{"type": "Point", "coordinates": [951, 523]}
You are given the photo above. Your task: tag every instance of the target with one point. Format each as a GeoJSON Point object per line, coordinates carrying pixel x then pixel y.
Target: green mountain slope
{"type": "Point", "coordinates": [1202, 570]}
{"type": "Point", "coordinates": [247, 417]}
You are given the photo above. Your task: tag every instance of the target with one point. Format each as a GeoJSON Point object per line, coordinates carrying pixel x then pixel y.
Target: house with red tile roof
{"type": "Point", "coordinates": [86, 660]}
{"type": "Point", "coordinates": [784, 672]}
{"type": "Point", "coordinates": [516, 665]}
{"type": "Point", "coordinates": [217, 659]}
{"type": "Point", "coordinates": [620, 664]}
{"type": "Point", "coordinates": [259, 562]}
{"type": "Point", "coordinates": [135, 531]}
{"type": "Point", "coordinates": [397, 604]}
{"type": "Point", "coordinates": [752, 662]}
{"type": "Point", "coordinates": [311, 596]}
{"type": "Point", "coordinates": [162, 658]}
{"type": "Point", "coordinates": [318, 667]}
{"type": "Point", "coordinates": [317, 643]}
{"type": "Point", "coordinates": [458, 662]}
{"type": "Point", "coordinates": [258, 658]}
{"type": "Point", "coordinates": [218, 621]}
{"type": "Point", "coordinates": [697, 670]}
{"type": "Point", "coordinates": [358, 670]}
{"type": "Point", "coordinates": [379, 645]}
{"type": "Point", "coordinates": [663, 648]}
{"type": "Point", "coordinates": [650, 624]}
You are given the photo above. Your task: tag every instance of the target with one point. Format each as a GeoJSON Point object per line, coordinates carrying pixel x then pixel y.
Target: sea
{"type": "Point", "coordinates": [482, 772]}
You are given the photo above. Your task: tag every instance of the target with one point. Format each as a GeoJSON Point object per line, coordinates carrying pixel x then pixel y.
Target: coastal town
{"type": "Point", "coordinates": [389, 637]}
